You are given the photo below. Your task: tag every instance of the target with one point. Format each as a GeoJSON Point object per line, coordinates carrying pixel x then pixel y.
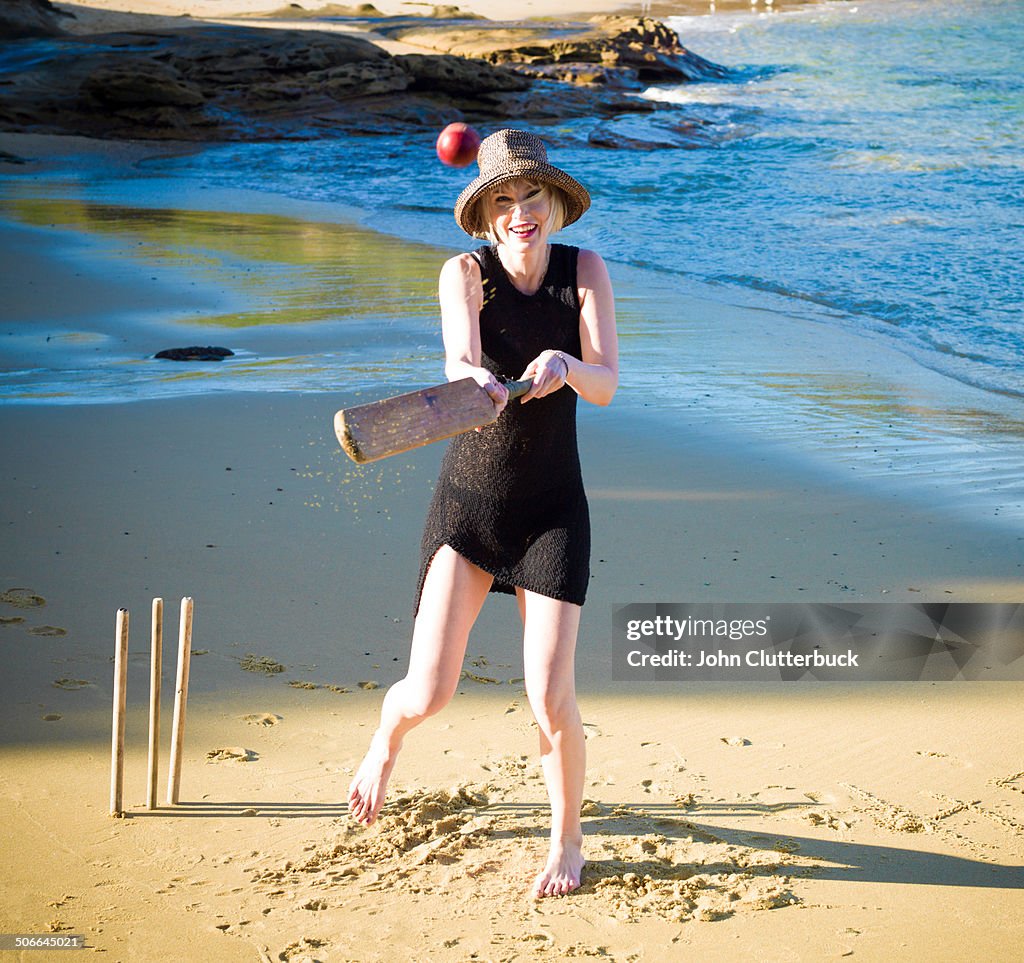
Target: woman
{"type": "Point", "coordinates": [509, 512]}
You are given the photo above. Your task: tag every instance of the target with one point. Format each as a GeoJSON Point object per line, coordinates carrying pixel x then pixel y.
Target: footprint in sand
{"type": "Point", "coordinates": [22, 598]}
{"type": "Point", "coordinates": [262, 719]}
{"type": "Point", "coordinates": [71, 684]}
{"type": "Point", "coordinates": [11, 619]}
{"type": "Point", "coordinates": [301, 948]}
{"type": "Point", "coordinates": [827, 819]}
{"type": "Point", "coordinates": [468, 676]}
{"type": "Point", "coordinates": [48, 631]}
{"type": "Point", "coordinates": [735, 741]}
{"type": "Point", "coordinates": [233, 754]}
{"type": "Point", "coordinates": [1014, 782]}
{"type": "Point", "coordinates": [52, 717]}
{"type": "Point", "coordinates": [260, 663]}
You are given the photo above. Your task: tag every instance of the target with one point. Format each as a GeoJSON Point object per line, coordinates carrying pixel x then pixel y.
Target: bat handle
{"type": "Point", "coordinates": [516, 389]}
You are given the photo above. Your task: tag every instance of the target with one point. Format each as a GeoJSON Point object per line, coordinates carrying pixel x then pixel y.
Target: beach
{"type": "Point", "coordinates": [785, 821]}
{"type": "Point", "coordinates": [754, 455]}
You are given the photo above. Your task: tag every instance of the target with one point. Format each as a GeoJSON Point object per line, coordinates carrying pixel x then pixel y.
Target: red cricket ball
{"type": "Point", "coordinates": [457, 145]}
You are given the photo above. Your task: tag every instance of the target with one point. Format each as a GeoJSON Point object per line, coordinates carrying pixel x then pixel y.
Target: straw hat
{"type": "Point", "coordinates": [506, 156]}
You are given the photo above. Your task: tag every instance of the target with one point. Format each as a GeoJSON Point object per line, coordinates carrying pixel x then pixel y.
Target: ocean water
{"type": "Point", "coordinates": [883, 172]}
{"type": "Point", "coordinates": [862, 158]}
{"type": "Point", "coordinates": [854, 186]}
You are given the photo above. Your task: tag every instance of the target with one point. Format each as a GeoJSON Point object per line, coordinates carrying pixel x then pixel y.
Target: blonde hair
{"type": "Point", "coordinates": [556, 212]}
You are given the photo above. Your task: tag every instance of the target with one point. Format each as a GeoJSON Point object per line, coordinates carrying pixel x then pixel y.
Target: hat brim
{"type": "Point", "coordinates": [467, 208]}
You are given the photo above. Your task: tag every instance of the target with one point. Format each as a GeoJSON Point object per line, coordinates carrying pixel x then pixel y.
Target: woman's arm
{"type": "Point", "coordinates": [460, 291]}
{"type": "Point", "coordinates": [595, 375]}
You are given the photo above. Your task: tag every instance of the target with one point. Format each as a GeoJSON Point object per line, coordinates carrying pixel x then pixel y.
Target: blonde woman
{"type": "Point", "coordinates": [509, 512]}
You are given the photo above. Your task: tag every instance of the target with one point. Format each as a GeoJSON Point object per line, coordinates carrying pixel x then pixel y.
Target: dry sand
{"type": "Point", "coordinates": [798, 825]}
{"type": "Point", "coordinates": [97, 16]}
{"type": "Point", "coordinates": [221, 9]}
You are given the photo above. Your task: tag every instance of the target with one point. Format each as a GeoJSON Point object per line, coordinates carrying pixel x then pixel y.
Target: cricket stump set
{"type": "Point", "coordinates": [180, 701]}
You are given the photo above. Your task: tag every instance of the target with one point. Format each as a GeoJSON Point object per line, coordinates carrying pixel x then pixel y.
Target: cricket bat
{"type": "Point", "coordinates": [397, 424]}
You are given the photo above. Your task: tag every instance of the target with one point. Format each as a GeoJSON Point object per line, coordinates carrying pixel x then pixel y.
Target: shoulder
{"type": "Point", "coordinates": [461, 263]}
{"type": "Point", "coordinates": [461, 270]}
{"type": "Point", "coordinates": [590, 269]}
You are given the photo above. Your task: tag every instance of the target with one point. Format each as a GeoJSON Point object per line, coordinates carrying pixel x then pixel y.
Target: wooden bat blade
{"type": "Point", "coordinates": [394, 425]}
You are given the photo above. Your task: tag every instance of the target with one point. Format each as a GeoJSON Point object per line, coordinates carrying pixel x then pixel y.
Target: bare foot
{"type": "Point", "coordinates": [563, 870]}
{"type": "Point", "coordinates": [366, 791]}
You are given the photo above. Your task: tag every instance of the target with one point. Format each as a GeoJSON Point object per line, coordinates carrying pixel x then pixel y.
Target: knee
{"type": "Point", "coordinates": [554, 709]}
{"type": "Point", "coordinates": [425, 698]}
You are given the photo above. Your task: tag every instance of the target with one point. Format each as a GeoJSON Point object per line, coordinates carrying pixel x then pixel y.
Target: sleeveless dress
{"type": "Point", "coordinates": [510, 498]}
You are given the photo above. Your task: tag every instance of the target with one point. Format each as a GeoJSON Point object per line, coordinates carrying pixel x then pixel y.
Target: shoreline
{"type": "Point", "coordinates": [893, 424]}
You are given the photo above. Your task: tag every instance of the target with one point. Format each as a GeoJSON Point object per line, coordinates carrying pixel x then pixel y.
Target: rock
{"type": "Point", "coordinates": [294, 11]}
{"type": "Point", "coordinates": [458, 76]}
{"type": "Point", "coordinates": [363, 11]}
{"type": "Point", "coordinates": [583, 74]}
{"type": "Point", "coordinates": [215, 82]}
{"type": "Point", "coordinates": [624, 134]}
{"type": "Point", "coordinates": [653, 49]}
{"type": "Point", "coordinates": [613, 50]}
{"type": "Point", "coordinates": [447, 12]}
{"type": "Point", "coordinates": [135, 82]}
{"type": "Point", "coordinates": [29, 18]}
{"type": "Point", "coordinates": [195, 353]}
{"type": "Point", "coordinates": [211, 83]}
{"type": "Point", "coordinates": [554, 101]}
{"type": "Point", "coordinates": [364, 79]}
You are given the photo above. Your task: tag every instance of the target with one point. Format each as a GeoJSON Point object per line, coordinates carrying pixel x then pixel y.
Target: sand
{"type": "Point", "coordinates": [777, 822]}
{"type": "Point", "coordinates": [801, 821]}
{"type": "Point", "coordinates": [112, 15]}
{"type": "Point", "coordinates": [225, 9]}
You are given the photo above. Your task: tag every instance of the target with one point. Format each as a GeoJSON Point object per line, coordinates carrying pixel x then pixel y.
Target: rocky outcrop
{"type": "Point", "coordinates": [29, 18]}
{"type": "Point", "coordinates": [619, 51]}
{"type": "Point", "coordinates": [456, 75]}
{"type": "Point", "coordinates": [135, 82]}
{"type": "Point", "coordinates": [234, 83]}
{"type": "Point", "coordinates": [214, 82]}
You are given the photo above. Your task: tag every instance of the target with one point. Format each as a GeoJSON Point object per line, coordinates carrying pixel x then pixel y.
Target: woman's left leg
{"type": "Point", "coordinates": [549, 657]}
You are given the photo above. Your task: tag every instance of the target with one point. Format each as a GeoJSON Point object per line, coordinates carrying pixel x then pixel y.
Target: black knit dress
{"type": "Point", "coordinates": [510, 498]}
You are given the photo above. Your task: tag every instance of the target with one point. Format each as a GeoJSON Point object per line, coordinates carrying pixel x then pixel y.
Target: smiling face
{"type": "Point", "coordinates": [522, 213]}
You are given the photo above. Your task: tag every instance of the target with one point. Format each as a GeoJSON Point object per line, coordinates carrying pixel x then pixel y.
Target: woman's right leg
{"type": "Point", "coordinates": [453, 594]}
